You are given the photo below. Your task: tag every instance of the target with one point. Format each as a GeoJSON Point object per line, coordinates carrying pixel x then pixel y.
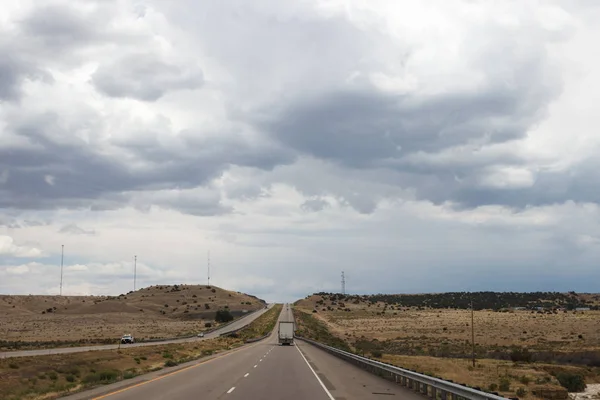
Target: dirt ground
{"type": "Point", "coordinates": [570, 331]}
{"type": "Point", "coordinates": [408, 337]}
{"type": "Point", "coordinates": [154, 312]}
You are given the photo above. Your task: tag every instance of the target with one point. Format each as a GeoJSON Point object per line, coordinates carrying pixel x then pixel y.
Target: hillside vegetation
{"type": "Point", "coordinates": [480, 300]}
{"type": "Point", "coordinates": [520, 350]}
{"type": "Point", "coordinates": [153, 312]}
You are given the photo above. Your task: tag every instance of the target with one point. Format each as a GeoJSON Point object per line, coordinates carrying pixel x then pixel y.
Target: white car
{"type": "Point", "coordinates": [201, 334]}
{"type": "Point", "coordinates": [127, 339]}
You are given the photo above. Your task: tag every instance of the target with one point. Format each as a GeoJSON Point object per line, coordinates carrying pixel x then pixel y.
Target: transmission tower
{"type": "Point", "coordinates": [208, 268]}
{"type": "Point", "coordinates": [343, 283]}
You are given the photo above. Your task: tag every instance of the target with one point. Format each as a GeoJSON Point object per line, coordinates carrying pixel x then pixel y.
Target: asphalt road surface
{"type": "Point", "coordinates": [262, 370]}
{"type": "Point", "coordinates": [62, 350]}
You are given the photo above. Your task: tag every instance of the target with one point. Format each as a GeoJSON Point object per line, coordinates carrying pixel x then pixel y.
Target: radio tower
{"type": "Point", "coordinates": [343, 283]}
{"type": "Point", "coordinates": [208, 267]}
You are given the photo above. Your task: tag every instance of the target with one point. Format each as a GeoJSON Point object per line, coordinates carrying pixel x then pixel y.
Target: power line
{"type": "Point", "coordinates": [62, 256]}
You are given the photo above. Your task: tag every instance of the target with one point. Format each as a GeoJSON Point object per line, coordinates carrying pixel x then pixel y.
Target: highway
{"type": "Point", "coordinates": [239, 323]}
{"type": "Point", "coordinates": [262, 370]}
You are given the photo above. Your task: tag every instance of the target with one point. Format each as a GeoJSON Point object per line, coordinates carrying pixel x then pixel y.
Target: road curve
{"type": "Point", "coordinates": [237, 324]}
{"type": "Point", "coordinates": [262, 370]}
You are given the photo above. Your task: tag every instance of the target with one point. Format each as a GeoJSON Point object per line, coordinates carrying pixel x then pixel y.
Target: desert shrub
{"type": "Point", "coordinates": [223, 316]}
{"type": "Point", "coordinates": [171, 363]}
{"type": "Point", "coordinates": [143, 358]}
{"type": "Point", "coordinates": [524, 380]}
{"type": "Point", "coordinates": [128, 375]}
{"type": "Point", "coordinates": [207, 324]}
{"type": "Point", "coordinates": [207, 306]}
{"type": "Point", "coordinates": [213, 290]}
{"type": "Point", "coordinates": [520, 355]}
{"type": "Point", "coordinates": [167, 355]}
{"type": "Point", "coordinates": [52, 375]}
{"type": "Point", "coordinates": [70, 378]}
{"type": "Point", "coordinates": [504, 385]}
{"type": "Point", "coordinates": [571, 381]}
{"type": "Point", "coordinates": [13, 366]}
{"type": "Point", "coordinates": [493, 387]}
{"type": "Point", "coordinates": [521, 392]}
{"type": "Point", "coordinates": [376, 354]}
{"type": "Point", "coordinates": [137, 360]}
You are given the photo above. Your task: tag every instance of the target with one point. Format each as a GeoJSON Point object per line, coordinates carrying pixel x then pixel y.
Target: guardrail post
{"type": "Point", "coordinates": [443, 395]}
{"type": "Point", "coordinates": [434, 392]}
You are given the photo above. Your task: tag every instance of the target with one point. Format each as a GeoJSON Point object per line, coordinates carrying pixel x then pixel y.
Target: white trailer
{"type": "Point", "coordinates": [286, 333]}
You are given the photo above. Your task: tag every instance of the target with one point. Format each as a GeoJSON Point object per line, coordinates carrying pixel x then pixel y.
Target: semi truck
{"type": "Point", "coordinates": [286, 333]}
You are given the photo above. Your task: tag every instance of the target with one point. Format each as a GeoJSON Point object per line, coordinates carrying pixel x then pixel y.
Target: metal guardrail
{"type": "Point", "coordinates": [424, 384]}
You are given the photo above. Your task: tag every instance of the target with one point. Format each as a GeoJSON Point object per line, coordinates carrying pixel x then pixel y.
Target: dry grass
{"type": "Point", "coordinates": [262, 325]}
{"type": "Point", "coordinates": [490, 372]}
{"type": "Point", "coordinates": [407, 336]}
{"type": "Point", "coordinates": [556, 332]}
{"type": "Point", "coordinates": [155, 312]}
{"type": "Point", "coordinates": [50, 376]}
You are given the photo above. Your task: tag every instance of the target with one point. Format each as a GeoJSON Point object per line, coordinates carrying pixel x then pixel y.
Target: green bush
{"type": "Point", "coordinates": [13, 366]}
{"type": "Point", "coordinates": [521, 392]}
{"type": "Point", "coordinates": [504, 385]}
{"type": "Point", "coordinates": [520, 355]}
{"type": "Point", "coordinates": [128, 375]}
{"type": "Point", "coordinates": [170, 363]}
{"type": "Point", "coordinates": [572, 382]}
{"type": "Point", "coordinates": [376, 354]}
{"type": "Point", "coordinates": [70, 378]}
{"type": "Point", "coordinates": [493, 387]}
{"type": "Point", "coordinates": [223, 316]}
{"type": "Point", "coordinates": [52, 375]}
{"type": "Point", "coordinates": [167, 355]}
{"type": "Point", "coordinates": [524, 380]}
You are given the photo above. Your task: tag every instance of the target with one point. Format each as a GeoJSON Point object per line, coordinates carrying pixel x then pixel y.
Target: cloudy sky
{"type": "Point", "coordinates": [418, 146]}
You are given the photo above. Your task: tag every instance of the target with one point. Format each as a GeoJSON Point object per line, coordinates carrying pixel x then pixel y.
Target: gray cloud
{"type": "Point", "coordinates": [74, 229]}
{"type": "Point", "coordinates": [144, 77]}
{"type": "Point", "coordinates": [53, 173]}
{"type": "Point", "coordinates": [314, 205]}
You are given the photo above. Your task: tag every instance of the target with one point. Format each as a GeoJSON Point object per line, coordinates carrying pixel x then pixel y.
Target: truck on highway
{"type": "Point", "coordinates": [286, 333]}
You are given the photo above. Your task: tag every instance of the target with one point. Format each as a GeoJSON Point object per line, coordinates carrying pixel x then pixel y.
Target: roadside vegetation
{"type": "Point", "coordinates": [52, 376]}
{"type": "Point", "coordinates": [312, 328]}
{"type": "Point", "coordinates": [262, 325]}
{"type": "Point", "coordinates": [534, 354]}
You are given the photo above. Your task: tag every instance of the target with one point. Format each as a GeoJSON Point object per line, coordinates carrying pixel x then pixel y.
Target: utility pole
{"type": "Point", "coordinates": [134, 271]}
{"type": "Point", "coordinates": [343, 283]}
{"type": "Point", "coordinates": [208, 268]}
{"type": "Point", "coordinates": [62, 257]}
{"type": "Point", "coordinates": [472, 332]}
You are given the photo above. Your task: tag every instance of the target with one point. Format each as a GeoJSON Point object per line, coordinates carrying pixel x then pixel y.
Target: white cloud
{"type": "Point", "coordinates": [9, 248]}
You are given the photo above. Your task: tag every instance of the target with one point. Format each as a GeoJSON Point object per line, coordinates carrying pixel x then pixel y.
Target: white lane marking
{"type": "Point", "coordinates": [260, 360]}
{"type": "Point", "coordinates": [245, 376]}
{"type": "Point", "coordinates": [256, 366]}
{"type": "Point", "coordinates": [316, 376]}
{"type": "Point", "coordinates": [231, 390]}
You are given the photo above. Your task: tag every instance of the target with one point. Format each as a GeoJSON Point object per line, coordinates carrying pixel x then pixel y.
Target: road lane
{"type": "Point", "coordinates": [259, 371]}
{"type": "Point", "coordinates": [282, 374]}
{"type": "Point", "coordinates": [347, 381]}
{"type": "Point", "coordinates": [63, 350]}
{"type": "Point", "coordinates": [263, 370]}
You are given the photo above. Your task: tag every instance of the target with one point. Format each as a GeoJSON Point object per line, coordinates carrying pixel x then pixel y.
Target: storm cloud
{"type": "Point", "coordinates": [299, 131]}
